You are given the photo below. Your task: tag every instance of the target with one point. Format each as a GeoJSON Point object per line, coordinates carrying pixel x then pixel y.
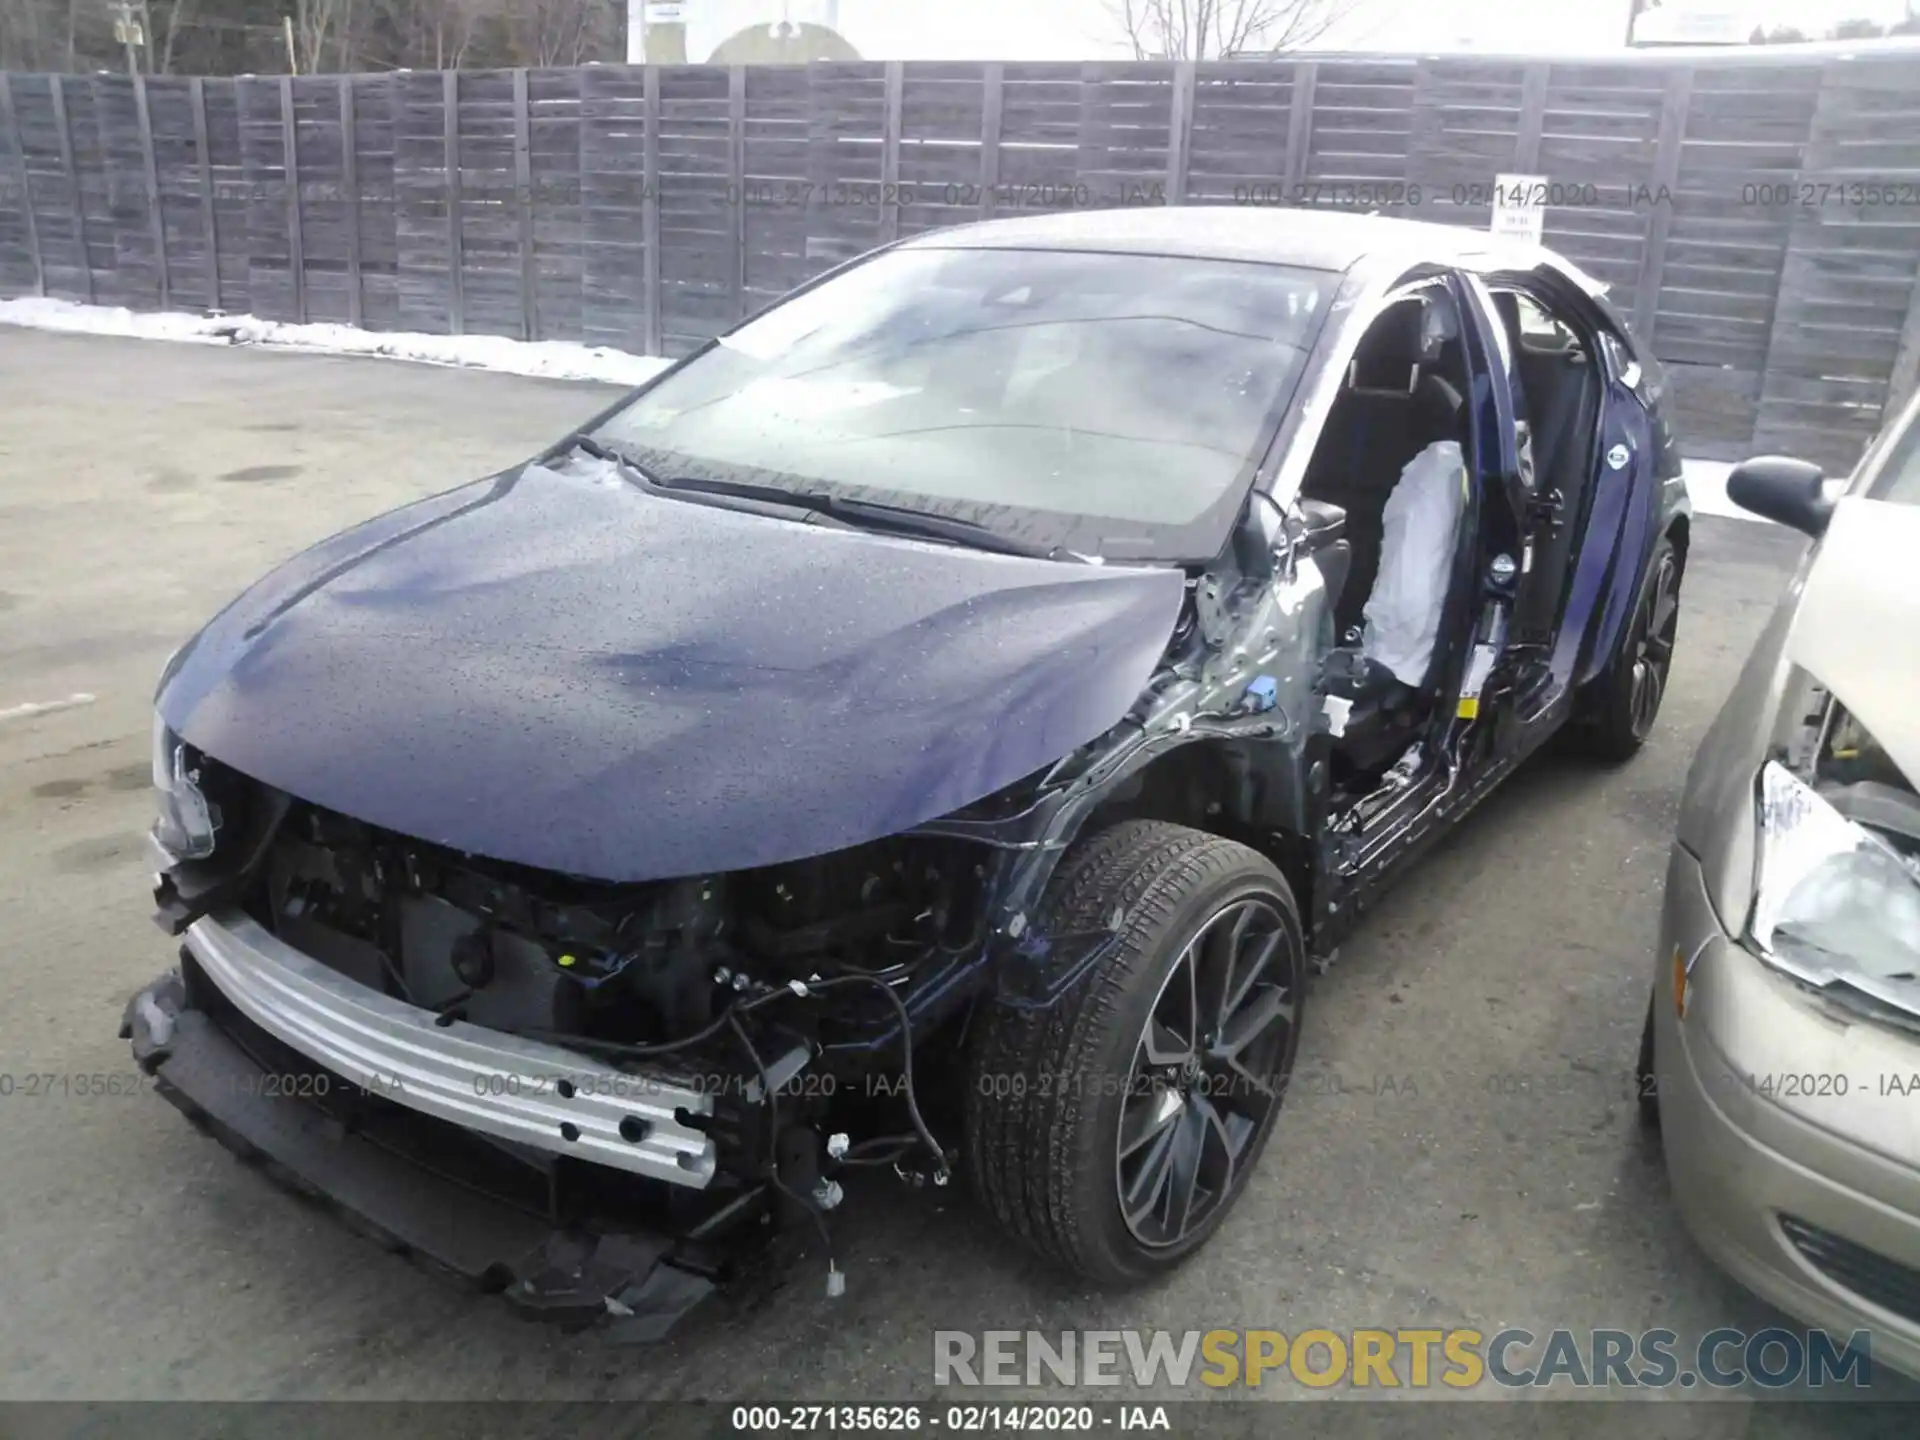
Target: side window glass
{"type": "Point", "coordinates": [1535, 329]}
{"type": "Point", "coordinates": [1620, 359]}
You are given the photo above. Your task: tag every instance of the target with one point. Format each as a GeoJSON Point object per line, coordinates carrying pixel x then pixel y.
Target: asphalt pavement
{"type": "Point", "coordinates": [1460, 1150]}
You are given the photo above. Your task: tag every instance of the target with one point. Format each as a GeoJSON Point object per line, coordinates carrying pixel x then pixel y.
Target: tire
{"type": "Point", "coordinates": [1624, 700]}
{"type": "Point", "coordinates": [1050, 1089]}
{"type": "Point", "coordinates": [1645, 1087]}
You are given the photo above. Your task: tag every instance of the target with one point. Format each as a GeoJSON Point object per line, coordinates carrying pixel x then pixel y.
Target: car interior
{"type": "Point", "coordinates": [1405, 389]}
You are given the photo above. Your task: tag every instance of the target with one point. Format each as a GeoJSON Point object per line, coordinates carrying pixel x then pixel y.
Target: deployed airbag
{"type": "Point", "coordinates": [1420, 531]}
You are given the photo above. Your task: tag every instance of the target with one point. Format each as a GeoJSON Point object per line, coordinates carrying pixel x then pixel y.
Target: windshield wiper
{"type": "Point", "coordinates": [868, 514]}
{"type": "Point", "coordinates": [601, 451]}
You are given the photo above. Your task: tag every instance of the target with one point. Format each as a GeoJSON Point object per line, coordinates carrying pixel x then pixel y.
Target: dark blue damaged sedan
{"type": "Point", "coordinates": [938, 725]}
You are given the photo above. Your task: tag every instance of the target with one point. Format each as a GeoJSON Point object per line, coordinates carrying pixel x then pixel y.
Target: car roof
{"type": "Point", "coordinates": [1274, 235]}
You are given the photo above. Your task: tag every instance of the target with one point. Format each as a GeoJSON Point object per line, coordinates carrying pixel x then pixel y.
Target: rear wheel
{"type": "Point", "coordinates": [1113, 1131]}
{"type": "Point", "coordinates": [1625, 699]}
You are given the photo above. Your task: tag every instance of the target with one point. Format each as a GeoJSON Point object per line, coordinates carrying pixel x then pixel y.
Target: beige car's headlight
{"type": "Point", "coordinates": [1834, 903]}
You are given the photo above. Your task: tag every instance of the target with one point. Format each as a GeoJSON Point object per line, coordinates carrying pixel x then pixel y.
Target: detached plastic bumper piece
{"type": "Point", "coordinates": [398, 1175]}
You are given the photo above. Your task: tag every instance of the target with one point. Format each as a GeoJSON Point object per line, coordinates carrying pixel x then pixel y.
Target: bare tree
{"type": "Point", "coordinates": [179, 17]}
{"type": "Point", "coordinates": [433, 34]}
{"type": "Point", "coordinates": [1209, 29]}
{"type": "Point", "coordinates": [557, 32]}
{"type": "Point", "coordinates": [20, 35]}
{"type": "Point", "coordinates": [53, 34]}
{"type": "Point", "coordinates": [320, 26]}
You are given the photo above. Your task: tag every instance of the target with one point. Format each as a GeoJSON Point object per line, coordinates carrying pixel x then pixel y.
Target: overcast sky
{"type": "Point", "coordinates": [1086, 29]}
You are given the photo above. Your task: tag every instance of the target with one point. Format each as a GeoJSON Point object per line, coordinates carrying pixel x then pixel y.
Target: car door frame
{"type": "Point", "coordinates": [1427, 810]}
{"type": "Point", "coordinates": [1622, 521]}
{"type": "Point", "coordinates": [1540, 603]}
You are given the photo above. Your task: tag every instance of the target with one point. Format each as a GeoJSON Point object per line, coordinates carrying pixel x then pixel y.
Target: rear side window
{"type": "Point", "coordinates": [1537, 330]}
{"type": "Point", "coordinates": [1647, 380]}
{"type": "Point", "coordinates": [1623, 363]}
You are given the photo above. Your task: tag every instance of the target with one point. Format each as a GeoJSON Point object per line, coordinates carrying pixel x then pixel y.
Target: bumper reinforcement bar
{"type": "Point", "coordinates": [482, 1080]}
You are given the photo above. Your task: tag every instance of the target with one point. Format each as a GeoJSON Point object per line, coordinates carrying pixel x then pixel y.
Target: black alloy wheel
{"type": "Point", "coordinates": [1207, 1072]}
{"type": "Point", "coordinates": [1113, 1130]}
{"type": "Point", "coordinates": [1619, 707]}
{"type": "Point", "coordinates": [1653, 643]}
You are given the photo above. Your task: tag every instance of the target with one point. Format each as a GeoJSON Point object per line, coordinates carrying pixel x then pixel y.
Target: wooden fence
{"type": "Point", "coordinates": [1757, 216]}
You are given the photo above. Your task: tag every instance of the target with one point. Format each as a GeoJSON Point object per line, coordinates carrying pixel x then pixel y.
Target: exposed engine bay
{"type": "Point", "coordinates": [1855, 775]}
{"type": "Point", "coordinates": [776, 997]}
{"type": "Point", "coordinates": [525, 951]}
{"type": "Point", "coordinates": [774, 992]}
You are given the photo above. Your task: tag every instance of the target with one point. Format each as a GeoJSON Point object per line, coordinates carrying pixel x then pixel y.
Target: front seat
{"type": "Point", "coordinates": [1420, 524]}
{"type": "Point", "coordinates": [1404, 607]}
{"type": "Point", "coordinates": [1368, 439]}
{"type": "Point", "coordinates": [1439, 409]}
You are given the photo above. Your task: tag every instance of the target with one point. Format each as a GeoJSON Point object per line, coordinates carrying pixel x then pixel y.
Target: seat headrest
{"type": "Point", "coordinates": [1439, 326]}
{"type": "Point", "coordinates": [1508, 304]}
{"type": "Point", "coordinates": [1389, 352]}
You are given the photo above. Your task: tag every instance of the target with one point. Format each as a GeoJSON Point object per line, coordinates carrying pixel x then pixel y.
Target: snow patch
{"type": "Point", "coordinates": [546, 359]}
{"type": "Point", "coordinates": [1707, 488]}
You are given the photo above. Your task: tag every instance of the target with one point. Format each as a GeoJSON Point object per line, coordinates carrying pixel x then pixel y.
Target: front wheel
{"type": "Point", "coordinates": [1113, 1131]}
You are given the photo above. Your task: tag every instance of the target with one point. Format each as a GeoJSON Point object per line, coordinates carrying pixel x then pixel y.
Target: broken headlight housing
{"type": "Point", "coordinates": [1834, 903]}
{"type": "Point", "coordinates": [186, 825]}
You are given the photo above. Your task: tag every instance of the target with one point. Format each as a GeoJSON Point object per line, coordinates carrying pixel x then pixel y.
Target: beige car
{"type": "Point", "coordinates": [1782, 1052]}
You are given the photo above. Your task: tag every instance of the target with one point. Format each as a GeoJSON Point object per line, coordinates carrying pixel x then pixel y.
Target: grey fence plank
{"type": "Point", "coordinates": [737, 188]}
{"type": "Point", "coordinates": [296, 250]}
{"type": "Point", "coordinates": [450, 119]}
{"type": "Point", "coordinates": [1666, 175]}
{"type": "Point", "coordinates": [1533, 114]}
{"type": "Point", "coordinates": [1180, 131]}
{"type": "Point", "coordinates": [197, 96]}
{"type": "Point", "coordinates": [263, 156]}
{"type": "Point", "coordinates": [12, 119]}
{"type": "Point", "coordinates": [1306, 75]}
{"type": "Point", "coordinates": [232, 211]}
{"type": "Point", "coordinates": [523, 204]}
{"type": "Point", "coordinates": [650, 213]}
{"type": "Point", "coordinates": [63, 123]}
{"type": "Point", "coordinates": [890, 152]}
{"type": "Point", "coordinates": [350, 185]}
{"type": "Point", "coordinates": [151, 174]}
{"type": "Point", "coordinates": [619, 210]}
{"type": "Point", "coordinates": [992, 101]}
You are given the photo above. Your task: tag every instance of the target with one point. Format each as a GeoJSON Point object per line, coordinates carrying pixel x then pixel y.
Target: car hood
{"type": "Point", "coordinates": [1857, 627]}
{"type": "Point", "coordinates": [559, 668]}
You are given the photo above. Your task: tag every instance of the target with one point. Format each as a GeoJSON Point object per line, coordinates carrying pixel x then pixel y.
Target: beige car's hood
{"type": "Point", "coordinates": [1857, 630]}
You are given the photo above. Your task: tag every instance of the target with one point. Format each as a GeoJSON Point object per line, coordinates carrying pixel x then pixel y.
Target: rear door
{"type": "Point", "coordinates": [1542, 520]}
{"type": "Point", "coordinates": [1635, 457]}
{"type": "Point", "coordinates": [1590, 544]}
{"type": "Point", "coordinates": [1558, 380]}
